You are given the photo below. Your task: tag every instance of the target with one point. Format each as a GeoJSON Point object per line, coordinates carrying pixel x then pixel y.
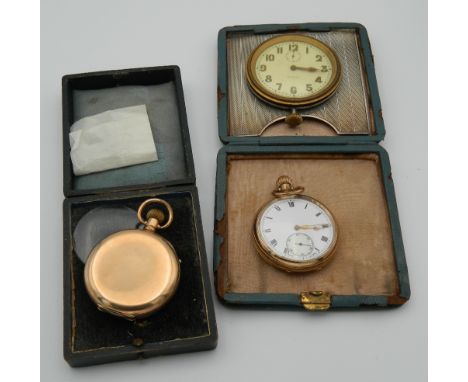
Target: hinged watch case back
{"type": "Point", "coordinates": [187, 322]}
{"type": "Point", "coordinates": [334, 155]}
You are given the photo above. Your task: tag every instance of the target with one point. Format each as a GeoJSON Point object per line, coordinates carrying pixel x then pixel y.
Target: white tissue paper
{"type": "Point", "coordinates": [112, 139]}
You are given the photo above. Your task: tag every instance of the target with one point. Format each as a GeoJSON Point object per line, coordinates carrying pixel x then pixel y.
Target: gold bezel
{"type": "Point", "coordinates": [273, 98]}
{"type": "Point", "coordinates": [289, 265]}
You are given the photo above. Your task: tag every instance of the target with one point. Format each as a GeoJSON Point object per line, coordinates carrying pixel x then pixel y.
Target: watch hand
{"type": "Point", "coordinates": [315, 227]}
{"type": "Point", "coordinates": [309, 245]}
{"type": "Point", "coordinates": [307, 69]}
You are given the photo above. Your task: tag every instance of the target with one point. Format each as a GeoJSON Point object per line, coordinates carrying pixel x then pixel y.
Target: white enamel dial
{"type": "Point", "coordinates": [297, 229]}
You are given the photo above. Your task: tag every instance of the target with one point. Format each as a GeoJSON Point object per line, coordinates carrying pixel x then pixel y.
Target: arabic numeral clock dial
{"type": "Point", "coordinates": [295, 232]}
{"type": "Point", "coordinates": [293, 71]}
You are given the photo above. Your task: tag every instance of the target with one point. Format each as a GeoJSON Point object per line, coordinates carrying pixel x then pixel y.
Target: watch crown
{"type": "Point", "coordinates": [284, 183]}
{"type": "Point", "coordinates": [285, 186]}
{"type": "Point", "coordinates": [293, 119]}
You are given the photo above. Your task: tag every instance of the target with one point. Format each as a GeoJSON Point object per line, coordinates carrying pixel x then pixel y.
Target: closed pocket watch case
{"type": "Point", "coordinates": [333, 154]}
{"type": "Point", "coordinates": [102, 204]}
{"type": "Point", "coordinates": [133, 273]}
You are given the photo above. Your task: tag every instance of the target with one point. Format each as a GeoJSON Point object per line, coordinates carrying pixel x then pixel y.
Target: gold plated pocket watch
{"type": "Point", "coordinates": [294, 232]}
{"type": "Point", "coordinates": [133, 273]}
{"type": "Point", "coordinates": [293, 71]}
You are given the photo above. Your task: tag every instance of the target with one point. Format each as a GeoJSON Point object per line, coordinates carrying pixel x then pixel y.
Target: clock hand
{"type": "Point", "coordinates": [315, 227]}
{"type": "Point", "coordinates": [309, 245]}
{"type": "Point", "coordinates": [307, 69]}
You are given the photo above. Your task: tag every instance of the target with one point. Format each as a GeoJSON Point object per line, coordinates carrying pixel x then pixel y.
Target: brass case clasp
{"type": "Point", "coordinates": [316, 300]}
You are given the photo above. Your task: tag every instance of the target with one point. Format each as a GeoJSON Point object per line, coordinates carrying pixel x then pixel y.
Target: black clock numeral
{"type": "Point", "coordinates": [306, 205]}
{"type": "Point", "coordinates": [279, 50]}
{"type": "Point", "coordinates": [318, 58]}
{"type": "Point", "coordinates": [293, 90]}
{"type": "Point", "coordinates": [268, 217]}
{"type": "Point", "coordinates": [263, 68]}
{"type": "Point", "coordinates": [277, 208]}
{"type": "Point", "coordinates": [293, 47]}
{"type": "Point", "coordinates": [268, 230]}
{"type": "Point", "coordinates": [270, 57]}
{"type": "Point", "coordinates": [307, 50]}
{"type": "Point", "coordinates": [268, 78]}
{"type": "Point", "coordinates": [309, 87]}
{"type": "Point", "coordinates": [286, 250]}
{"type": "Point", "coordinates": [318, 79]}
{"type": "Point", "coordinates": [324, 238]}
{"type": "Point", "coordinates": [324, 68]}
{"type": "Point", "coordinates": [291, 203]}
{"type": "Point", "coordinates": [318, 213]}
{"type": "Point", "coordinates": [279, 84]}
{"type": "Point", "coordinates": [274, 243]}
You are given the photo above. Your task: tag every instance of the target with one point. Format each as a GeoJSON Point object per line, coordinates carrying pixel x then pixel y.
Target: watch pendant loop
{"type": "Point", "coordinates": [152, 223]}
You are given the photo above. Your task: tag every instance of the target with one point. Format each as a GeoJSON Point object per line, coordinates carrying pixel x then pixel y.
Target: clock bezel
{"type": "Point", "coordinates": [265, 94]}
{"type": "Point", "coordinates": [279, 262]}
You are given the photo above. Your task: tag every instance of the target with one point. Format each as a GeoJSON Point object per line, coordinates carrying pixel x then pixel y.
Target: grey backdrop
{"type": "Point", "coordinates": [79, 36]}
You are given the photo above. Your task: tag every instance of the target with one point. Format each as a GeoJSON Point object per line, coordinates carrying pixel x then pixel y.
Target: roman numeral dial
{"type": "Point", "coordinates": [297, 229]}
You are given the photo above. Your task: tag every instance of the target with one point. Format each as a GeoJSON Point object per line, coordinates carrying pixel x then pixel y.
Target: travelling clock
{"type": "Point", "coordinates": [295, 232]}
{"type": "Point", "coordinates": [293, 71]}
{"type": "Point", "coordinates": [133, 273]}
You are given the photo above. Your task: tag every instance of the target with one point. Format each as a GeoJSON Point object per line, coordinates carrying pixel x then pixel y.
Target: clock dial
{"type": "Point", "coordinates": [293, 70]}
{"type": "Point", "coordinates": [297, 229]}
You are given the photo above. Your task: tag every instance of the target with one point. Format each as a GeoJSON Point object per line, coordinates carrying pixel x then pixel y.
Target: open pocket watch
{"type": "Point", "coordinates": [293, 71]}
{"type": "Point", "coordinates": [133, 273]}
{"type": "Point", "coordinates": [294, 232]}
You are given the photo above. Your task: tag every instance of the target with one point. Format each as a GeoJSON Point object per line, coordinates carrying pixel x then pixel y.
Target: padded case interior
{"type": "Point", "coordinates": [351, 187]}
{"type": "Point", "coordinates": [184, 316]}
{"type": "Point", "coordinates": [161, 105]}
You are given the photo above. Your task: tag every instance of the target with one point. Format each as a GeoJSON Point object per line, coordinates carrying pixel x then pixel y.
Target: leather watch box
{"type": "Point", "coordinates": [334, 154]}
{"type": "Point", "coordinates": [187, 322]}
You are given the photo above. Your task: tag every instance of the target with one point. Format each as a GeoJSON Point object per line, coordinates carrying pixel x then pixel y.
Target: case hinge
{"type": "Point", "coordinates": [316, 300]}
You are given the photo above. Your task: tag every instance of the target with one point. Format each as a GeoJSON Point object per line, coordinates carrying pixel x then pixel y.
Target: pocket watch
{"type": "Point", "coordinates": [133, 273]}
{"type": "Point", "coordinates": [294, 232]}
{"type": "Point", "coordinates": [293, 71]}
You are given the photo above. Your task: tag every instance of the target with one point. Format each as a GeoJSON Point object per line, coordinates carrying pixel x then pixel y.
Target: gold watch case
{"type": "Point", "coordinates": [290, 102]}
{"type": "Point", "coordinates": [133, 273]}
{"type": "Point", "coordinates": [286, 190]}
